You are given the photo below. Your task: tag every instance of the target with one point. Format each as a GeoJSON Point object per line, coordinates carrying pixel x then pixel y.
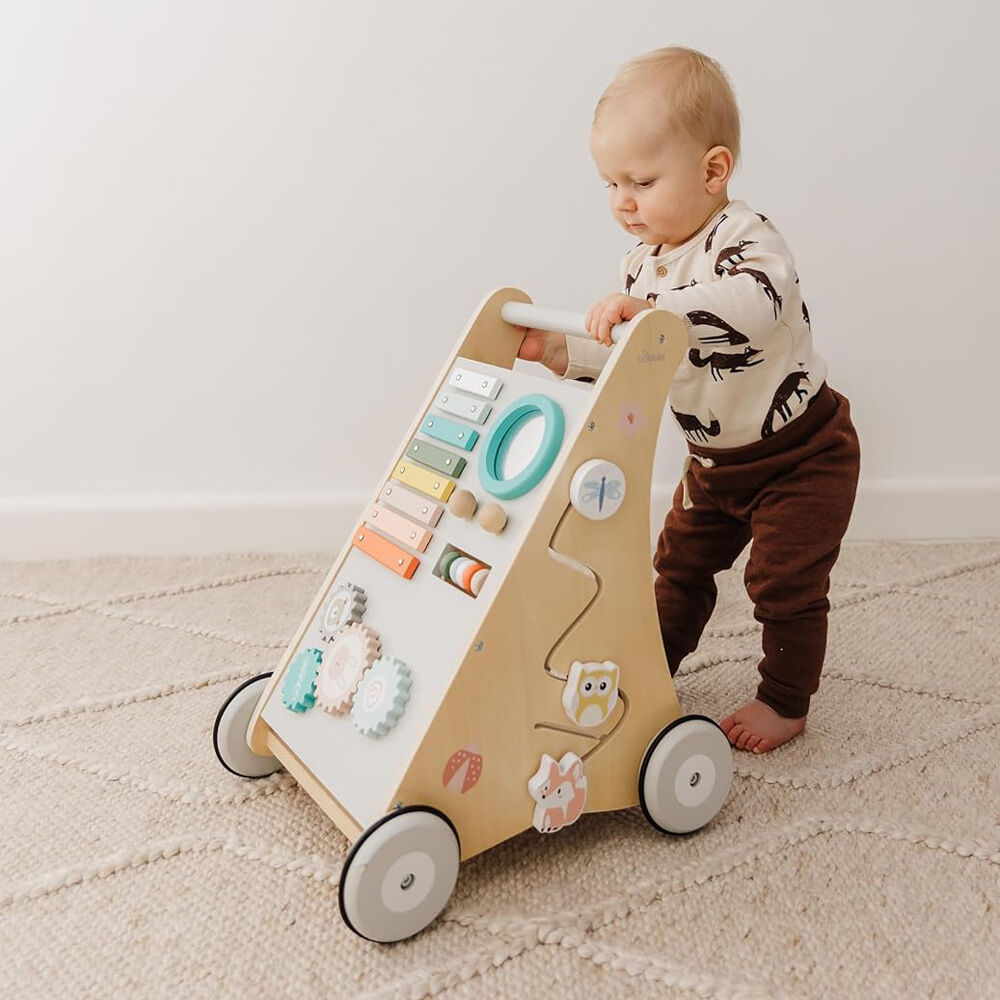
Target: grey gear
{"type": "Point", "coordinates": [346, 604]}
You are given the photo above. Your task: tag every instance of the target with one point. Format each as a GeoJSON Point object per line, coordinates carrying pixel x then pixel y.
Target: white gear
{"type": "Point", "coordinates": [381, 696]}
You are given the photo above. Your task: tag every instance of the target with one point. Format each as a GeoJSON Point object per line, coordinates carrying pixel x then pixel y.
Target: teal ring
{"type": "Point", "coordinates": [491, 457]}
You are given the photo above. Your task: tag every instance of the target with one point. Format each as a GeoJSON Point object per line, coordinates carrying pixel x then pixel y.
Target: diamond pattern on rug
{"type": "Point", "coordinates": [860, 859]}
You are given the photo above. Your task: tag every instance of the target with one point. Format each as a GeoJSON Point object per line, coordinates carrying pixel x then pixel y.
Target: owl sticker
{"type": "Point", "coordinates": [591, 692]}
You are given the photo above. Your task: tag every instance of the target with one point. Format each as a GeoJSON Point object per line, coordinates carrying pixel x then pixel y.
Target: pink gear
{"type": "Point", "coordinates": [351, 651]}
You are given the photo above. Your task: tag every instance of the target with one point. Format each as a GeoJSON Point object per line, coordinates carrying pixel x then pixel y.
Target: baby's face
{"type": "Point", "coordinates": [656, 181]}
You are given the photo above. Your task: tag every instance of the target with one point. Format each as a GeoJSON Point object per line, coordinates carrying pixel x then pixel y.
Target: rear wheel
{"type": "Point", "coordinates": [400, 874]}
{"type": "Point", "coordinates": [230, 734]}
{"type": "Point", "coordinates": [686, 774]}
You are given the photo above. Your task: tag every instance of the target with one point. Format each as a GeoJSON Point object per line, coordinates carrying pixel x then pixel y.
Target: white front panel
{"type": "Point", "coordinates": [423, 621]}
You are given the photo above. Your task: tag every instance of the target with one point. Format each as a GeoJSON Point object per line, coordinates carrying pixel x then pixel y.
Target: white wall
{"type": "Point", "coordinates": [237, 241]}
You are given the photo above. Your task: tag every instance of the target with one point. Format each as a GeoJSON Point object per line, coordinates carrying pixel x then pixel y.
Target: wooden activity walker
{"type": "Point", "coordinates": [485, 654]}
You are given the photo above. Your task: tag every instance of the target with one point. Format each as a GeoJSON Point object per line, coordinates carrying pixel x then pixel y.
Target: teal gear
{"type": "Point", "coordinates": [298, 692]}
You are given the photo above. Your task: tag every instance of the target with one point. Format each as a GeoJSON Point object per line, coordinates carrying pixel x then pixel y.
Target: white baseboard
{"type": "Point", "coordinates": [159, 524]}
{"type": "Point", "coordinates": [926, 508]}
{"type": "Point", "coordinates": [176, 524]}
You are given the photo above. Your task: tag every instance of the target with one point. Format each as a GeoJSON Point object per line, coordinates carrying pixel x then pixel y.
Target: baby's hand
{"type": "Point", "coordinates": [546, 348]}
{"type": "Point", "coordinates": [610, 311]}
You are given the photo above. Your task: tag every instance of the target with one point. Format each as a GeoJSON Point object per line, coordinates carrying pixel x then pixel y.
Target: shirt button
{"type": "Point", "coordinates": [661, 271]}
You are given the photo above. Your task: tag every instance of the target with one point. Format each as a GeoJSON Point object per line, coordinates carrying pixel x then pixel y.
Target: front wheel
{"type": "Point", "coordinates": [230, 734]}
{"type": "Point", "coordinates": [686, 774]}
{"type": "Point", "coordinates": [399, 875]}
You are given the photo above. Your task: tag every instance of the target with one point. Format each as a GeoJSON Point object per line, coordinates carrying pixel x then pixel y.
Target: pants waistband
{"type": "Point", "coordinates": [818, 411]}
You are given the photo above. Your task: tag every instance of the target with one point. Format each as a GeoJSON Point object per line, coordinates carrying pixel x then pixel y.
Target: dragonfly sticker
{"type": "Point", "coordinates": [594, 490]}
{"type": "Point", "coordinates": [597, 489]}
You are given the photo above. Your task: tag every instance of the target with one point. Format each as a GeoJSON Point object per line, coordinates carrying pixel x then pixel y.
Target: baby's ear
{"type": "Point", "coordinates": [718, 165]}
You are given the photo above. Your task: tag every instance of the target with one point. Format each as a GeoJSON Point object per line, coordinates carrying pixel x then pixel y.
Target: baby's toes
{"type": "Point", "coordinates": [745, 736]}
{"type": "Point", "coordinates": [727, 723]}
{"type": "Point", "coordinates": [752, 743]}
{"type": "Point", "coordinates": [734, 733]}
{"type": "Point", "coordinates": [763, 746]}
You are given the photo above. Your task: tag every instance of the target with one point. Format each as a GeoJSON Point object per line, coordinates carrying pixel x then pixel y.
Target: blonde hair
{"type": "Point", "coordinates": [697, 97]}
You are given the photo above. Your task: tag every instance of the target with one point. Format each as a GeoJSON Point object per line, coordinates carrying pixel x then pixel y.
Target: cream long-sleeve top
{"type": "Point", "coordinates": [750, 367]}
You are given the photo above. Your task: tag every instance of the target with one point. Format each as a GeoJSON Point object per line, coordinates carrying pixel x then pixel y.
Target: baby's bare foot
{"type": "Point", "coordinates": [759, 728]}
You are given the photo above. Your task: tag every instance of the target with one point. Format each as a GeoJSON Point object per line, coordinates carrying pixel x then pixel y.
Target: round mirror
{"type": "Point", "coordinates": [522, 446]}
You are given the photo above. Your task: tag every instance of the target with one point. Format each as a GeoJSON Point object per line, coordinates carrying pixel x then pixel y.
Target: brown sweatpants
{"type": "Point", "coordinates": [791, 493]}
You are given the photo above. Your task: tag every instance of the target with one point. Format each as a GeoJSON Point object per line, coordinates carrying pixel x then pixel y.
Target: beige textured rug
{"type": "Point", "coordinates": [862, 860]}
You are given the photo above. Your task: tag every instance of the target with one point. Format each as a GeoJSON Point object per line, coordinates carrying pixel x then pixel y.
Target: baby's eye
{"type": "Point", "coordinates": [610, 184]}
{"type": "Point", "coordinates": [644, 184]}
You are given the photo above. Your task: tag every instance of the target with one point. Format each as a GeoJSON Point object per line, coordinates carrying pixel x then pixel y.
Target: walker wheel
{"type": "Point", "coordinates": [399, 875]}
{"type": "Point", "coordinates": [686, 774]}
{"type": "Point", "coordinates": [230, 734]}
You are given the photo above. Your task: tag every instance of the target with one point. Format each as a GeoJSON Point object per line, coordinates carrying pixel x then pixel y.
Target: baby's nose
{"type": "Point", "coordinates": [624, 202]}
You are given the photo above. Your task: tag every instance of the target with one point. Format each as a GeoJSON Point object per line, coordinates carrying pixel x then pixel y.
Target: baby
{"type": "Point", "coordinates": [772, 454]}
